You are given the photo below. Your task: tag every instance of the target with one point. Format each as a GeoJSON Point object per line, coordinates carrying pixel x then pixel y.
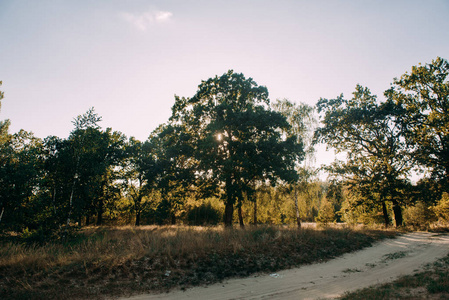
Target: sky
{"type": "Point", "coordinates": [128, 58]}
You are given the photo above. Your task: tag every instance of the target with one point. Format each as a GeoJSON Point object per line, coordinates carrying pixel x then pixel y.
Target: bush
{"type": "Point", "coordinates": [442, 208]}
{"type": "Point", "coordinates": [419, 215]}
{"type": "Point", "coordinates": [326, 214]}
{"type": "Point", "coordinates": [159, 215]}
{"type": "Point", "coordinates": [205, 214]}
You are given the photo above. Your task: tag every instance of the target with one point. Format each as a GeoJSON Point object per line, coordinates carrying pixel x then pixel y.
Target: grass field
{"type": "Point", "coordinates": [106, 262]}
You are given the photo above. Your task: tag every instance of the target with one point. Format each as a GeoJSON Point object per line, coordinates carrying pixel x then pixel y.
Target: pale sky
{"type": "Point", "coordinates": [128, 58]}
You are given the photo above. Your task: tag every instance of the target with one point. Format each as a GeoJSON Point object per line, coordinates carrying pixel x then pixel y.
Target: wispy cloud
{"type": "Point", "coordinates": [162, 16]}
{"type": "Point", "coordinates": [144, 20]}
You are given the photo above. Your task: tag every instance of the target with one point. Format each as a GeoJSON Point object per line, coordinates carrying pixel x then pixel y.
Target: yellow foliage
{"type": "Point", "coordinates": [441, 209]}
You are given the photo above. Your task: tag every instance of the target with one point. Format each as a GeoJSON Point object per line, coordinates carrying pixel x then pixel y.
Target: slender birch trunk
{"type": "Point", "coordinates": [1, 215]}
{"type": "Point", "coordinates": [298, 219]}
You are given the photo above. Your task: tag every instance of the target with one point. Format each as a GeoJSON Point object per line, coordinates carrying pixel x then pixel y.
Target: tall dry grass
{"type": "Point", "coordinates": [111, 260]}
{"type": "Point", "coordinates": [115, 244]}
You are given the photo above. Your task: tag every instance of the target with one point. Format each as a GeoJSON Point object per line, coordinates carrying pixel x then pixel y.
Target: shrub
{"type": "Point", "coordinates": [442, 208]}
{"type": "Point", "coordinates": [205, 214]}
{"type": "Point", "coordinates": [419, 215]}
{"type": "Point", "coordinates": [326, 214]}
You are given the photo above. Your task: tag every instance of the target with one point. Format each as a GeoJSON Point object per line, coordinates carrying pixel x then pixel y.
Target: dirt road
{"type": "Point", "coordinates": [381, 263]}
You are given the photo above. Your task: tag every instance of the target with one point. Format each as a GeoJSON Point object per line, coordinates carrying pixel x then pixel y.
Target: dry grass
{"type": "Point", "coordinates": [107, 262]}
{"type": "Point", "coordinates": [433, 283]}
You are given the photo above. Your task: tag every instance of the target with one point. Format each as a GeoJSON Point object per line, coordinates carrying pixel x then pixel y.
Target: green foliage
{"type": "Point", "coordinates": [357, 209]}
{"type": "Point", "coordinates": [275, 205]}
{"type": "Point", "coordinates": [232, 138]}
{"type": "Point", "coordinates": [419, 215]}
{"type": "Point", "coordinates": [2, 94]}
{"type": "Point", "coordinates": [162, 213]}
{"type": "Point", "coordinates": [441, 209]}
{"type": "Point", "coordinates": [205, 214]}
{"type": "Point", "coordinates": [40, 235]}
{"type": "Point", "coordinates": [327, 213]}
{"type": "Point", "coordinates": [20, 174]}
{"type": "Point", "coordinates": [302, 122]}
{"type": "Point", "coordinates": [423, 96]}
{"type": "Point", "coordinates": [89, 156]}
{"type": "Point", "coordinates": [377, 161]}
{"type": "Point", "coordinates": [87, 120]}
{"type": "Point", "coordinates": [228, 142]}
{"type": "Point", "coordinates": [138, 174]}
{"type": "Point", "coordinates": [48, 184]}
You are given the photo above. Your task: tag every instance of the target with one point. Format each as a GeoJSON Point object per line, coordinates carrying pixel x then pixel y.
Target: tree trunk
{"type": "Point", "coordinates": [100, 213]}
{"type": "Point", "coordinates": [255, 212]}
{"type": "Point", "coordinates": [138, 209]}
{"type": "Point", "coordinates": [54, 199]}
{"type": "Point", "coordinates": [397, 213]}
{"type": "Point", "coordinates": [137, 218]}
{"type": "Point", "coordinates": [385, 212]}
{"type": "Point", "coordinates": [173, 219]}
{"type": "Point", "coordinates": [75, 179]}
{"type": "Point", "coordinates": [446, 189]}
{"type": "Point", "coordinates": [229, 211]}
{"type": "Point", "coordinates": [241, 216]}
{"type": "Point", "coordinates": [71, 202]}
{"type": "Point", "coordinates": [1, 215]}
{"type": "Point", "coordinates": [230, 200]}
{"type": "Point", "coordinates": [298, 219]}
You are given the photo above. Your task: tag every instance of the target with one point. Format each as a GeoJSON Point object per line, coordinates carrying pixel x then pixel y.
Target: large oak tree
{"type": "Point", "coordinates": [423, 94]}
{"type": "Point", "coordinates": [377, 162]}
{"type": "Point", "coordinates": [234, 138]}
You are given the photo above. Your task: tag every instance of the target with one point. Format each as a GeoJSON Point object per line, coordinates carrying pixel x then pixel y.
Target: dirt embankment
{"type": "Point", "coordinates": [381, 263]}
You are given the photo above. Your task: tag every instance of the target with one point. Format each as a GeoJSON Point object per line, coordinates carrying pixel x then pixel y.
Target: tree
{"type": "Point", "coordinates": [173, 170]}
{"type": "Point", "coordinates": [423, 96]}
{"type": "Point", "coordinates": [377, 161]}
{"type": "Point", "coordinates": [441, 209]}
{"type": "Point", "coordinates": [4, 136]}
{"type": "Point", "coordinates": [82, 123]}
{"type": "Point", "coordinates": [302, 122]}
{"type": "Point", "coordinates": [139, 173]}
{"type": "Point", "coordinates": [234, 138]}
{"type": "Point", "coordinates": [20, 172]}
{"type": "Point", "coordinates": [109, 156]}
{"type": "Point", "coordinates": [2, 94]}
{"type": "Point", "coordinates": [88, 157]}
{"type": "Point", "coordinates": [20, 179]}
{"type": "Point", "coordinates": [57, 183]}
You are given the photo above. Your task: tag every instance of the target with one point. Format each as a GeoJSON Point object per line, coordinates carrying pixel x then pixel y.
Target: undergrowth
{"type": "Point", "coordinates": [117, 261]}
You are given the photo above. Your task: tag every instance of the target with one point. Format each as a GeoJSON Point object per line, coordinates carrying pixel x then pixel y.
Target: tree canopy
{"type": "Point", "coordinates": [423, 95]}
{"type": "Point", "coordinates": [228, 148]}
{"type": "Point", "coordinates": [235, 138]}
{"type": "Point", "coordinates": [377, 161]}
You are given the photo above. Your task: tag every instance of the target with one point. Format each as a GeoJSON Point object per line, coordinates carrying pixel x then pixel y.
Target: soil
{"type": "Point", "coordinates": [384, 262]}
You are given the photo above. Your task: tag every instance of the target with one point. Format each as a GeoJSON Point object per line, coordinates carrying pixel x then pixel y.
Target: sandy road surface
{"type": "Point", "coordinates": [381, 263]}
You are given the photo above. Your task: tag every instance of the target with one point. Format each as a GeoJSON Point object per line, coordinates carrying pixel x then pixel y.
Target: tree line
{"type": "Point", "coordinates": [387, 140]}
{"type": "Point", "coordinates": [227, 153]}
